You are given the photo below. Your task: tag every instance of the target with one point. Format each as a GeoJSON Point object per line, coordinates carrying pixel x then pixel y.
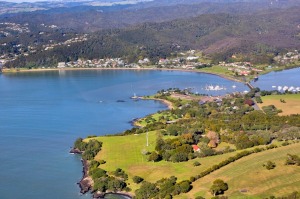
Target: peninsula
{"type": "Point", "coordinates": [178, 153]}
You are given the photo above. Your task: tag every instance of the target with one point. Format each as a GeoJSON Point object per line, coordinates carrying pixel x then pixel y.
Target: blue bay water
{"type": "Point", "coordinates": [271, 81]}
{"type": "Point", "coordinates": [42, 113]}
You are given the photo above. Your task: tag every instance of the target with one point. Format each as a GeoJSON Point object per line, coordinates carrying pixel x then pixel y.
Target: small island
{"type": "Point", "coordinates": [199, 148]}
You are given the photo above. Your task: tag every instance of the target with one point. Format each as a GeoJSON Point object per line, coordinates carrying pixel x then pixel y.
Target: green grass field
{"type": "Point", "coordinates": [292, 105]}
{"type": "Point", "coordinates": [249, 174]}
{"type": "Point", "coordinates": [218, 70]}
{"type": "Point", "coordinates": [126, 152]}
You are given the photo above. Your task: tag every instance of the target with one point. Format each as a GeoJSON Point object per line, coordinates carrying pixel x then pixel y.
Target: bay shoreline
{"type": "Point", "coordinates": [10, 71]}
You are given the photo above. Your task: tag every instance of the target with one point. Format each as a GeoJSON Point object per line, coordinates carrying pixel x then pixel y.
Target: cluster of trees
{"type": "Point", "coordinates": [103, 181]}
{"type": "Point", "coordinates": [89, 149]}
{"type": "Point", "coordinates": [195, 121]}
{"type": "Point", "coordinates": [288, 133]}
{"type": "Point", "coordinates": [165, 188]}
{"type": "Point", "coordinates": [271, 110]}
{"type": "Point", "coordinates": [178, 149]}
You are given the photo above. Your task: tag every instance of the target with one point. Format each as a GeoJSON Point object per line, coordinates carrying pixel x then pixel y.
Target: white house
{"type": "Point", "coordinates": [61, 65]}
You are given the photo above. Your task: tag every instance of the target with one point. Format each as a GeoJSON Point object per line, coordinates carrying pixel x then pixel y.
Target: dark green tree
{"type": "Point", "coordinates": [218, 187]}
{"type": "Point", "coordinates": [146, 191]}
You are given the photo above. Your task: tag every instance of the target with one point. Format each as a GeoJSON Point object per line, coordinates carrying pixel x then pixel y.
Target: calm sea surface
{"type": "Point", "coordinates": [271, 81]}
{"type": "Point", "coordinates": [42, 113]}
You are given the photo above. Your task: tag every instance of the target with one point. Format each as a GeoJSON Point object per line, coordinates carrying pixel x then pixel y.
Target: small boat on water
{"type": "Point", "coordinates": [135, 97]}
{"type": "Point", "coordinates": [214, 88]}
{"type": "Point", "coordinates": [233, 86]}
{"type": "Point", "coordinates": [273, 86]}
{"type": "Point", "coordinates": [279, 88]}
{"type": "Point", "coordinates": [291, 88]}
{"type": "Point", "coordinates": [285, 88]}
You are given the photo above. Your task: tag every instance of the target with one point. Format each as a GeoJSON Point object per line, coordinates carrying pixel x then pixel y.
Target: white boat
{"type": "Point", "coordinates": [214, 88]}
{"type": "Point", "coordinates": [273, 86]}
{"type": "Point", "coordinates": [134, 96]}
{"type": "Point", "coordinates": [285, 88]}
{"type": "Point", "coordinates": [234, 86]}
{"type": "Point", "coordinates": [291, 88]}
{"type": "Point", "coordinates": [279, 88]}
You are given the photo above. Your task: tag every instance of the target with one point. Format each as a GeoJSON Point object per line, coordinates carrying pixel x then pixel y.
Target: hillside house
{"type": "Point", "coordinates": [196, 148]}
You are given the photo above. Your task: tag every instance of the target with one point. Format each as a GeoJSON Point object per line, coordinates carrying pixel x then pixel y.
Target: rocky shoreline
{"type": "Point", "coordinates": [86, 182]}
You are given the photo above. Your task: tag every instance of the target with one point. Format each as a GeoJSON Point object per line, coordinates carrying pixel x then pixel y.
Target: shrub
{"type": "Point", "coordinates": [192, 179]}
{"type": "Point", "coordinates": [292, 160]}
{"type": "Point", "coordinates": [196, 164]}
{"type": "Point", "coordinates": [270, 165]}
{"type": "Point", "coordinates": [155, 157]}
{"type": "Point", "coordinates": [137, 179]}
{"type": "Point", "coordinates": [102, 161]}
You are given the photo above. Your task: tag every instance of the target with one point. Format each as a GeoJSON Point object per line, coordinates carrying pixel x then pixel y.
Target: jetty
{"type": "Point", "coordinates": [249, 85]}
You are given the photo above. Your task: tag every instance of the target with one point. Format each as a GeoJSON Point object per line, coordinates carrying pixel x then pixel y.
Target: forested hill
{"type": "Point", "coordinates": [84, 18]}
{"type": "Point", "coordinates": [220, 35]}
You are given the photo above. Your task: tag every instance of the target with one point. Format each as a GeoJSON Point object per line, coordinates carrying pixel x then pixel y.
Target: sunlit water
{"type": "Point", "coordinates": [42, 113]}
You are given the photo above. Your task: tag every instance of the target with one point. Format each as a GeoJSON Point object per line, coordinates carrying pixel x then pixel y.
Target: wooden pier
{"type": "Point", "coordinates": [250, 85]}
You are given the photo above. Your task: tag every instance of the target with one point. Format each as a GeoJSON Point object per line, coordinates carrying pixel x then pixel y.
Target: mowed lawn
{"type": "Point", "coordinates": [292, 105]}
{"type": "Point", "coordinates": [126, 152]}
{"type": "Point", "coordinates": [249, 175]}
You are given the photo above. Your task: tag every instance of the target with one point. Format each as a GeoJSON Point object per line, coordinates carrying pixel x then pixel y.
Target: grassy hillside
{"type": "Point", "coordinates": [291, 105]}
{"type": "Point", "coordinates": [126, 152]}
{"type": "Point", "coordinates": [249, 174]}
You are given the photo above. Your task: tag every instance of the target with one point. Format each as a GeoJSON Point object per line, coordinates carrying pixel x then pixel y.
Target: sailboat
{"type": "Point", "coordinates": [134, 96]}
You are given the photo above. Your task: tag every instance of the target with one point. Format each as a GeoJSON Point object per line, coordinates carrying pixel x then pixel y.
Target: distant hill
{"type": "Point", "coordinates": [220, 35]}
{"type": "Point", "coordinates": [86, 18]}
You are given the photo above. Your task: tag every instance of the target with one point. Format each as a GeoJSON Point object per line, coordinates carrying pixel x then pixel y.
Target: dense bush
{"type": "Point", "coordinates": [155, 157]}
{"type": "Point", "coordinates": [90, 149]}
{"type": "Point", "coordinates": [137, 179]}
{"type": "Point", "coordinates": [147, 190]}
{"type": "Point", "coordinates": [97, 173]}
{"type": "Point", "coordinates": [120, 173]}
